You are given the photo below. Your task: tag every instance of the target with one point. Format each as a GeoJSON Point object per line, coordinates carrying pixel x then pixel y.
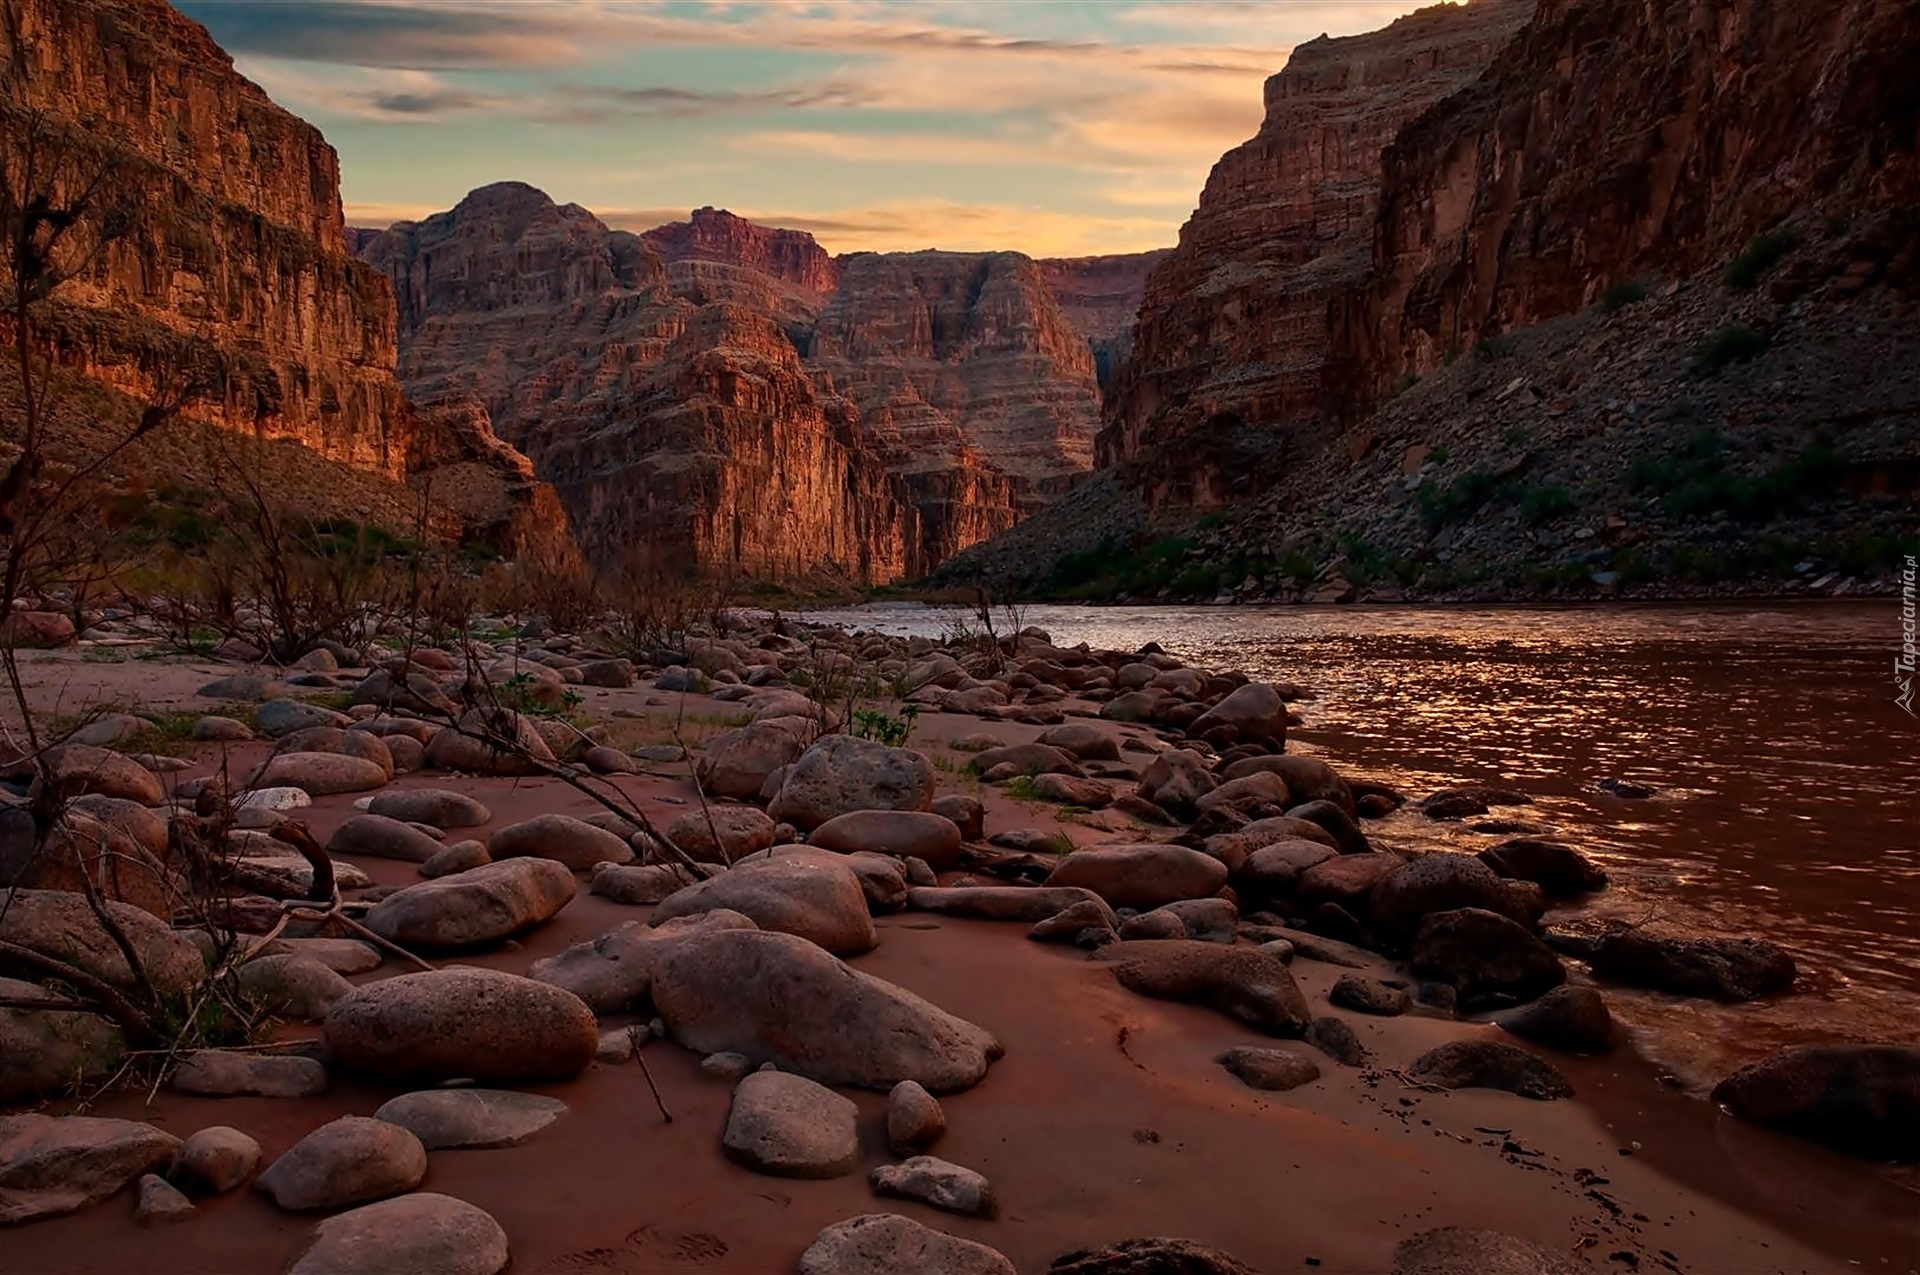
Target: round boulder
{"type": "Point", "coordinates": [899, 833]}
{"type": "Point", "coordinates": [491, 1027]}
{"type": "Point", "coordinates": [813, 897]}
{"type": "Point", "coordinates": [348, 1161]}
{"type": "Point", "coordinates": [1141, 876]}
{"type": "Point", "coordinates": [840, 773]}
{"type": "Point", "coordinates": [424, 1231]}
{"type": "Point", "coordinates": [574, 842]}
{"type": "Point", "coordinates": [473, 908]}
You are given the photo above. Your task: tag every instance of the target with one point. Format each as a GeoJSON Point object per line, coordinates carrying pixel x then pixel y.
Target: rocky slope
{"type": "Point", "coordinates": [1603, 332]}
{"type": "Point", "coordinates": [237, 259]}
{"type": "Point", "coordinates": [902, 406]}
{"type": "Point", "coordinates": [1225, 373]}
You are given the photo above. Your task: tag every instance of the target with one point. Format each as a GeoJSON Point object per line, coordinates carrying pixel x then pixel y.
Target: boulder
{"type": "Point", "coordinates": [447, 1119]}
{"type": "Point", "coordinates": [1436, 883]}
{"type": "Point", "coordinates": [74, 770]}
{"type": "Point", "coordinates": [490, 742]}
{"type": "Point", "coordinates": [735, 763]}
{"type": "Point", "coordinates": [1336, 822]}
{"type": "Point", "coordinates": [320, 774]}
{"type": "Point", "coordinates": [1176, 780]}
{"type": "Point", "coordinates": [1088, 923]}
{"type": "Point", "coordinates": [1490, 1064]}
{"type": "Point", "coordinates": [1243, 982]}
{"type": "Point", "coordinates": [915, 1120]}
{"type": "Point", "coordinates": [440, 807]}
{"type": "Point", "coordinates": [1369, 996]}
{"type": "Point", "coordinates": [1256, 796]}
{"type": "Point", "coordinates": [807, 896]}
{"type": "Point", "coordinates": [790, 1127]}
{"type": "Point", "coordinates": [36, 630]}
{"type": "Point", "coordinates": [1153, 1257]}
{"type": "Point", "coordinates": [613, 973]}
{"type": "Point", "coordinates": [639, 884]}
{"type": "Point", "coordinates": [1308, 778]}
{"type": "Point", "coordinates": [1066, 790]}
{"type": "Point", "coordinates": [936, 1183]}
{"type": "Point", "coordinates": [1273, 1069]}
{"type": "Point", "coordinates": [839, 773]}
{"type": "Point", "coordinates": [1254, 711]}
{"type": "Point", "coordinates": [1141, 876]}
{"type": "Point", "coordinates": [1027, 904]}
{"type": "Point", "coordinates": [478, 906]}
{"type": "Point", "coordinates": [721, 833]}
{"type": "Point", "coordinates": [1721, 969]}
{"type": "Point", "coordinates": [888, 1244]}
{"type": "Point", "coordinates": [883, 879]}
{"type": "Point", "coordinates": [781, 999]}
{"type": "Point", "coordinates": [455, 856]}
{"type": "Point", "coordinates": [966, 812]}
{"type": "Point", "coordinates": [1209, 920]}
{"type": "Point", "coordinates": [574, 842]}
{"type": "Point", "coordinates": [1560, 870]}
{"type": "Point", "coordinates": [159, 1203]}
{"type": "Point", "coordinates": [1276, 868]}
{"type": "Point", "coordinates": [346, 1161]}
{"type": "Point", "coordinates": [1083, 740]}
{"type": "Point", "coordinates": [1347, 880]}
{"type": "Point", "coordinates": [1860, 1099]}
{"type": "Point", "coordinates": [1334, 1038]}
{"type": "Point", "coordinates": [42, 1052]}
{"type": "Point", "coordinates": [1569, 1018]}
{"type": "Point", "coordinates": [50, 1165]}
{"type": "Point", "coordinates": [411, 1235]}
{"type": "Point", "coordinates": [491, 1027]}
{"type": "Point", "coordinates": [279, 717]}
{"type": "Point", "coordinates": [900, 833]}
{"type": "Point", "coordinates": [381, 837]}
{"type": "Point", "coordinates": [213, 1161]}
{"type": "Point", "coordinates": [292, 986]}
{"type": "Point", "coordinates": [334, 739]}
{"type": "Point", "coordinates": [1026, 759]}
{"type": "Point", "coordinates": [60, 924]}
{"type": "Point", "coordinates": [1487, 958]}
{"type": "Point", "coordinates": [1453, 1250]}
{"type": "Point", "coordinates": [221, 1073]}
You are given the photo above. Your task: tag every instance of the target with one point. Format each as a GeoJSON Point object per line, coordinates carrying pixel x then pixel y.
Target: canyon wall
{"type": "Point", "coordinates": [1101, 297]}
{"type": "Point", "coordinates": [1618, 138]}
{"type": "Point", "coordinates": [235, 270]}
{"type": "Point", "coordinates": [1233, 336]}
{"type": "Point", "coordinates": [730, 391]}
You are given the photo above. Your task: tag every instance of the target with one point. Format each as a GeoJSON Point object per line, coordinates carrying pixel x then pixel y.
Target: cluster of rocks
{"type": "Point", "coordinates": [1229, 859]}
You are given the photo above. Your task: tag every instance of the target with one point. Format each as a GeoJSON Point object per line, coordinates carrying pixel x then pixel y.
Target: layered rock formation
{"type": "Point", "coordinates": [1101, 297]}
{"type": "Point", "coordinates": [236, 264]}
{"type": "Point", "coordinates": [666, 403]}
{"type": "Point", "coordinates": [1233, 337]}
{"type": "Point", "coordinates": [728, 392]}
{"type": "Point", "coordinates": [1606, 143]}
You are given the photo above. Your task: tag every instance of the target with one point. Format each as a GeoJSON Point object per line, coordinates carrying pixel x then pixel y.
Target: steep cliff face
{"type": "Point", "coordinates": [1619, 137]}
{"type": "Point", "coordinates": [664, 401]}
{"type": "Point", "coordinates": [1233, 336]}
{"type": "Point", "coordinates": [1101, 297]}
{"type": "Point", "coordinates": [237, 262]}
{"type": "Point", "coordinates": [240, 249]}
{"type": "Point", "coordinates": [726, 388]}
{"type": "Point", "coordinates": [962, 362]}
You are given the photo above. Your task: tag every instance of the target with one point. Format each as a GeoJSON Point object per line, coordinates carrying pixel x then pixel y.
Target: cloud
{"type": "Point", "coordinates": [588, 104]}
{"type": "Point", "coordinates": [906, 225]}
{"type": "Point", "coordinates": [374, 93]}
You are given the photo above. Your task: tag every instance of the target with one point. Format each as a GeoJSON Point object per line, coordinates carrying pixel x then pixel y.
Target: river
{"type": "Point", "coordinates": [1788, 780]}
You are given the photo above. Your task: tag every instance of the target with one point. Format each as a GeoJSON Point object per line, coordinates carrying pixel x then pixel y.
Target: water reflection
{"type": "Point", "coordinates": [1789, 781]}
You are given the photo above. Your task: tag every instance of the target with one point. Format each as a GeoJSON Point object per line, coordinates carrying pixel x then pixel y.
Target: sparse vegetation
{"type": "Point", "coordinates": [1623, 293]}
{"type": "Point", "coordinates": [1762, 253]}
{"type": "Point", "coordinates": [1727, 346]}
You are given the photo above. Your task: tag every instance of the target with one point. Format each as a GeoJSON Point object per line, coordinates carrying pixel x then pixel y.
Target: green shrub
{"type": "Point", "coordinates": [1762, 253]}
{"type": "Point", "coordinates": [1493, 347]}
{"type": "Point", "coordinates": [1729, 345]}
{"type": "Point", "coordinates": [1622, 294]}
{"type": "Point", "coordinates": [1542, 505]}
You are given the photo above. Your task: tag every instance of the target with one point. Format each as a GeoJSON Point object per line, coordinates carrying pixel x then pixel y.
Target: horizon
{"type": "Point", "coordinates": [1057, 128]}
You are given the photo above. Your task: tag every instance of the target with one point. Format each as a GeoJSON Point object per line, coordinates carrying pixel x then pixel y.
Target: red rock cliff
{"type": "Point", "coordinates": [1233, 333]}
{"type": "Point", "coordinates": [716, 235]}
{"type": "Point", "coordinates": [1101, 297]}
{"type": "Point", "coordinates": [1618, 137]}
{"type": "Point", "coordinates": [240, 250]}
{"type": "Point", "coordinates": [666, 403]}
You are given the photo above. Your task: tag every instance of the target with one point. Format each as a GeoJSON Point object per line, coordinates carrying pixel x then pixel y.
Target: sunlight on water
{"type": "Point", "coordinates": [1789, 781]}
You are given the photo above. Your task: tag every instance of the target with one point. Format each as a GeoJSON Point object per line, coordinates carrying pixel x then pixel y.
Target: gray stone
{"type": "Point", "coordinates": [789, 1126]}
{"type": "Point", "coordinates": [420, 1234]}
{"type": "Point", "coordinates": [50, 1165]}
{"type": "Point", "coordinates": [729, 1067]}
{"type": "Point", "coordinates": [613, 972]}
{"type": "Point", "coordinates": [346, 1161]}
{"type": "Point", "coordinates": [42, 1052]}
{"type": "Point", "coordinates": [1574, 1019]}
{"type": "Point", "coordinates": [79, 769]}
{"type": "Point", "coordinates": [938, 1183]}
{"type": "Point", "coordinates": [899, 833]}
{"type": "Point", "coordinates": [888, 1244]}
{"type": "Point", "coordinates": [213, 1161]}
{"type": "Point", "coordinates": [161, 1203]}
{"type": "Point", "coordinates": [1861, 1099]}
{"type": "Point", "coordinates": [444, 1119]}
{"type": "Point", "coordinates": [1453, 1250]}
{"type": "Point", "coordinates": [320, 774]}
{"type": "Point", "coordinates": [293, 986]}
{"type": "Point", "coordinates": [574, 842]}
{"type": "Point", "coordinates": [483, 1025]}
{"type": "Point", "coordinates": [721, 833]}
{"type": "Point", "coordinates": [1490, 1064]}
{"type": "Point", "coordinates": [1369, 996]}
{"type": "Point", "coordinates": [61, 924]}
{"type": "Point", "coordinates": [382, 837]}
{"type": "Point", "coordinates": [915, 1120]}
{"type": "Point", "coordinates": [220, 1073]}
{"type": "Point", "coordinates": [839, 773]}
{"type": "Point", "coordinates": [807, 896]}
{"type": "Point", "coordinates": [639, 884]}
{"type": "Point", "coordinates": [1243, 982]}
{"type": "Point", "coordinates": [441, 807]}
{"type": "Point", "coordinates": [284, 716]}
{"type": "Point", "coordinates": [1273, 1069]}
{"type": "Point", "coordinates": [1141, 876]}
{"type": "Point", "coordinates": [478, 906]}
{"type": "Point", "coordinates": [457, 856]}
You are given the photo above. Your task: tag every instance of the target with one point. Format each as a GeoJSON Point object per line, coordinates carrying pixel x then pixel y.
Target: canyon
{"type": "Point", "coordinates": [1509, 300]}
{"type": "Point", "coordinates": [232, 264]}
{"type": "Point", "coordinates": [903, 406]}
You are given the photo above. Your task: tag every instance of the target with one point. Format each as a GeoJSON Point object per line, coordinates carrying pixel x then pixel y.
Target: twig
{"type": "Point", "coordinates": [633, 1034]}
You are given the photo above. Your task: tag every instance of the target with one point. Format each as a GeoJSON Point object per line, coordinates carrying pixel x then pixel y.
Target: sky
{"type": "Point", "coordinates": [1055, 127]}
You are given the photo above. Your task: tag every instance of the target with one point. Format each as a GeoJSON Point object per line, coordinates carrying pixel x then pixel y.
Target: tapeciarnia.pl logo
{"type": "Point", "coordinates": [1904, 661]}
